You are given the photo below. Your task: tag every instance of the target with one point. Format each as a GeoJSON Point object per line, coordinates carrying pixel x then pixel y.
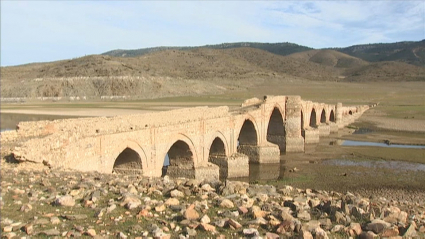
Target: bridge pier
{"type": "Point", "coordinates": [235, 166]}
{"type": "Point", "coordinates": [268, 153]}
{"type": "Point", "coordinates": [294, 139]}
{"type": "Point", "coordinates": [311, 136]}
{"type": "Point", "coordinates": [209, 171]}
{"type": "Point", "coordinates": [333, 127]}
{"type": "Point", "coordinates": [279, 140]}
{"type": "Point", "coordinates": [324, 130]}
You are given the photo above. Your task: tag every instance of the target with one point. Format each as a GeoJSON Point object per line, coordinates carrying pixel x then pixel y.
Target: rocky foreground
{"type": "Point", "coordinates": [46, 203]}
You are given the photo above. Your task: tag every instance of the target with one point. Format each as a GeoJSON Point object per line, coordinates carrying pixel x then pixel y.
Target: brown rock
{"type": "Point", "coordinates": [234, 223]}
{"type": "Point", "coordinates": [390, 232]}
{"type": "Point", "coordinates": [172, 202]}
{"type": "Point", "coordinates": [226, 203]}
{"type": "Point", "coordinates": [242, 210]}
{"type": "Point", "coordinates": [91, 232]}
{"type": "Point", "coordinates": [354, 229]}
{"type": "Point", "coordinates": [66, 201]}
{"type": "Point", "coordinates": [29, 229]}
{"type": "Point", "coordinates": [207, 227]}
{"type": "Point", "coordinates": [190, 213]}
{"type": "Point", "coordinates": [270, 235]}
{"type": "Point", "coordinates": [286, 226]}
{"type": "Point", "coordinates": [304, 234]}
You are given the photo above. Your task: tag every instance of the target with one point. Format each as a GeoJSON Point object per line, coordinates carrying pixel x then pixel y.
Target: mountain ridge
{"type": "Point", "coordinates": [411, 52]}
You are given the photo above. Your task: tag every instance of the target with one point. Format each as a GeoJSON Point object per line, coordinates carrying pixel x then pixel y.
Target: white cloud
{"type": "Point", "coordinates": [53, 30]}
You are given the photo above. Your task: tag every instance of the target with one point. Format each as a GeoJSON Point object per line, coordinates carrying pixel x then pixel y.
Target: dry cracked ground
{"type": "Point", "coordinates": [44, 203]}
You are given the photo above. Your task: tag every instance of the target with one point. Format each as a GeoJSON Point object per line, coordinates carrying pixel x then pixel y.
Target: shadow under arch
{"type": "Point", "coordinates": [332, 116]}
{"type": "Point", "coordinates": [276, 130]}
{"type": "Point", "coordinates": [130, 159]}
{"type": "Point", "coordinates": [248, 133]}
{"type": "Point", "coordinates": [313, 121]}
{"type": "Point", "coordinates": [217, 156]}
{"type": "Point", "coordinates": [323, 116]}
{"type": "Point", "coordinates": [181, 158]}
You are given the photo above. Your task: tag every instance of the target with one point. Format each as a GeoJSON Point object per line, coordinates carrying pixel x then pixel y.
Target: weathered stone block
{"type": "Point", "coordinates": [333, 127]}
{"type": "Point", "coordinates": [269, 153]}
{"type": "Point", "coordinates": [324, 130]}
{"type": "Point", "coordinates": [279, 140]}
{"type": "Point", "coordinates": [210, 172]}
{"type": "Point", "coordinates": [295, 145]}
{"type": "Point", "coordinates": [311, 136]}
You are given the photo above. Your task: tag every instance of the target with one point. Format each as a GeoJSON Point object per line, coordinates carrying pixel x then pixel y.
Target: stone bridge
{"type": "Point", "coordinates": [198, 142]}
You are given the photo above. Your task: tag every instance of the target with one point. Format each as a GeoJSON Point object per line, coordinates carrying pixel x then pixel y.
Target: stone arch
{"type": "Point", "coordinates": [182, 157]}
{"type": "Point", "coordinates": [313, 121]}
{"type": "Point", "coordinates": [129, 159]}
{"type": "Point", "coordinates": [276, 129]}
{"type": "Point", "coordinates": [350, 112]}
{"type": "Point", "coordinates": [218, 135]}
{"type": "Point", "coordinates": [248, 133]}
{"type": "Point", "coordinates": [332, 116]}
{"type": "Point", "coordinates": [217, 155]}
{"type": "Point", "coordinates": [323, 116]}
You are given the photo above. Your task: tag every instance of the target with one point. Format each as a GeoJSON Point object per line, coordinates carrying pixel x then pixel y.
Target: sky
{"type": "Point", "coordinates": [41, 31]}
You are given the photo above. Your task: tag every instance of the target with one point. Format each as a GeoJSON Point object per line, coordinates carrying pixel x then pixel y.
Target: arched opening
{"type": "Point", "coordinates": [302, 124]}
{"type": "Point", "coordinates": [128, 162]}
{"type": "Point", "coordinates": [313, 118]}
{"type": "Point", "coordinates": [350, 112]}
{"type": "Point", "coordinates": [323, 117]}
{"type": "Point", "coordinates": [218, 156]}
{"type": "Point", "coordinates": [248, 134]}
{"type": "Point", "coordinates": [180, 161]}
{"type": "Point", "coordinates": [332, 116]}
{"type": "Point", "coordinates": [276, 130]}
{"type": "Point", "coordinates": [247, 141]}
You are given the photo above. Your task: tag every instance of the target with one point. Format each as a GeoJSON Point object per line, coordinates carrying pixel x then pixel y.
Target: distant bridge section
{"type": "Point", "coordinates": [199, 142]}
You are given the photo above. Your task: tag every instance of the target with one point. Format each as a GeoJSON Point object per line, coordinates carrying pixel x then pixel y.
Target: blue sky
{"type": "Point", "coordinates": [40, 31]}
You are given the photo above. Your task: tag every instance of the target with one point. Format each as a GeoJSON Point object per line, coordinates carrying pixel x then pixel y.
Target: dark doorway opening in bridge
{"type": "Point", "coordinates": [313, 118]}
{"type": "Point", "coordinates": [247, 141]}
{"type": "Point", "coordinates": [128, 162]}
{"type": "Point", "coordinates": [276, 130]}
{"type": "Point", "coordinates": [302, 125]}
{"type": "Point", "coordinates": [323, 117]}
{"type": "Point", "coordinates": [248, 134]}
{"type": "Point", "coordinates": [180, 161]}
{"type": "Point", "coordinates": [332, 116]}
{"type": "Point", "coordinates": [218, 156]}
{"type": "Point", "coordinates": [350, 112]}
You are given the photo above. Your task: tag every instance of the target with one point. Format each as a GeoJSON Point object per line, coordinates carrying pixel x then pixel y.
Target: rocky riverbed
{"type": "Point", "coordinates": [47, 203]}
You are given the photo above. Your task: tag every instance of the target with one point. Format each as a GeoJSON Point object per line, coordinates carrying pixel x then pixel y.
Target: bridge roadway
{"type": "Point", "coordinates": [200, 142]}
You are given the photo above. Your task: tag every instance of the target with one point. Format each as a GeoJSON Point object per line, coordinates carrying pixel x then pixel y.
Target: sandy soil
{"type": "Point", "coordinates": [410, 125]}
{"type": "Point", "coordinates": [78, 112]}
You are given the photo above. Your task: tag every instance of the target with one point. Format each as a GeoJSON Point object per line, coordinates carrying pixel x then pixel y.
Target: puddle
{"type": "Point", "coordinates": [397, 165]}
{"type": "Point", "coordinates": [374, 144]}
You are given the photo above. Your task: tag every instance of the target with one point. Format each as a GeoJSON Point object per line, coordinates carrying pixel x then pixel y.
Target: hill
{"type": "Point", "coordinates": [171, 72]}
{"type": "Point", "coordinates": [329, 58]}
{"type": "Point", "coordinates": [283, 49]}
{"type": "Point", "coordinates": [410, 52]}
{"type": "Point", "coordinates": [387, 71]}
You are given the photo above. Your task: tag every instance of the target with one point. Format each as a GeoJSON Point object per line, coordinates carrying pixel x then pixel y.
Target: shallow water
{"type": "Point", "coordinates": [374, 144]}
{"type": "Point", "coordinates": [398, 165]}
